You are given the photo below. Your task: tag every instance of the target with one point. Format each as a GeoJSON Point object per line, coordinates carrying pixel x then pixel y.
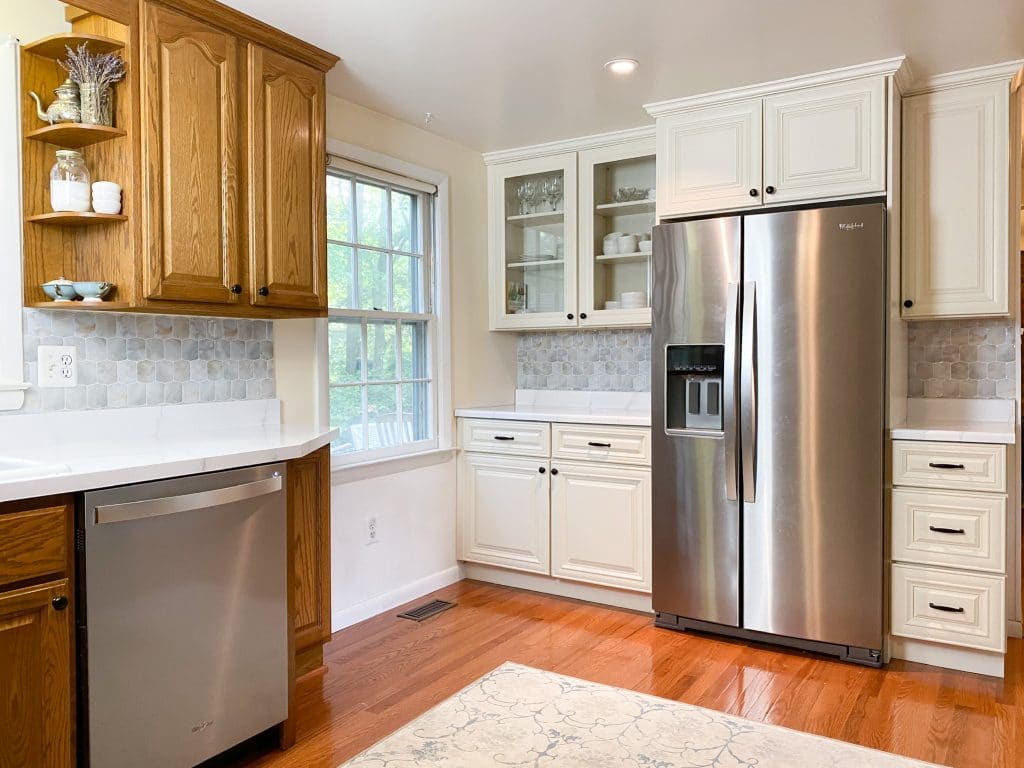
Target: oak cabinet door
{"type": "Point", "coordinates": [956, 171]}
{"type": "Point", "coordinates": [35, 677]}
{"type": "Point", "coordinates": [191, 144]}
{"type": "Point", "coordinates": [504, 512]}
{"type": "Point", "coordinates": [287, 182]}
{"type": "Point", "coordinates": [710, 159]}
{"type": "Point", "coordinates": [309, 501]}
{"type": "Point", "coordinates": [827, 141]}
{"type": "Point", "coordinates": [601, 524]}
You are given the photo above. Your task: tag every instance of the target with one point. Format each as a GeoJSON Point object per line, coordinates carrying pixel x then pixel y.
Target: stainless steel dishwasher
{"type": "Point", "coordinates": [182, 617]}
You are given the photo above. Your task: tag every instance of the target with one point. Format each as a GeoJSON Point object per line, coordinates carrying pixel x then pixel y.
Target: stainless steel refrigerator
{"type": "Point", "coordinates": [768, 389]}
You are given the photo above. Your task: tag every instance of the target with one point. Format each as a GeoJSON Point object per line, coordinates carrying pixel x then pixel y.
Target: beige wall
{"type": "Point", "coordinates": [483, 363]}
{"type": "Point", "coordinates": [29, 20]}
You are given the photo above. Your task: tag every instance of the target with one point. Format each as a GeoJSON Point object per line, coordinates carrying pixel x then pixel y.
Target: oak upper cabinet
{"type": "Point", "coordinates": [504, 511]}
{"type": "Point", "coordinates": [710, 158]}
{"type": "Point", "coordinates": [287, 182]}
{"type": "Point", "coordinates": [827, 141]}
{"type": "Point", "coordinates": [601, 524]}
{"type": "Point", "coordinates": [959, 177]}
{"type": "Point", "coordinates": [191, 149]}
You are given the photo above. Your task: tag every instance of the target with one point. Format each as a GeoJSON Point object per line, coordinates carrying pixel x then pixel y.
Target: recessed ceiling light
{"type": "Point", "coordinates": [622, 66]}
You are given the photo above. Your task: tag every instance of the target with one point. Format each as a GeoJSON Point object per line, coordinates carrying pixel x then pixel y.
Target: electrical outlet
{"type": "Point", "coordinates": [371, 530]}
{"type": "Point", "coordinates": [58, 366]}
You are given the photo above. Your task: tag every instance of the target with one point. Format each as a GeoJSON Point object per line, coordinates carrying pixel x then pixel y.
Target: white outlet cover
{"type": "Point", "coordinates": [58, 366]}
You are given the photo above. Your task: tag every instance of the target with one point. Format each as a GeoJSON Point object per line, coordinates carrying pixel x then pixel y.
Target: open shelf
{"type": "Point", "coordinates": [100, 306]}
{"type": "Point", "coordinates": [537, 219]}
{"type": "Point", "coordinates": [73, 219]}
{"type": "Point", "coordinates": [53, 47]}
{"type": "Point", "coordinates": [622, 209]}
{"type": "Point", "coordinates": [75, 135]}
{"type": "Point", "coordinates": [623, 257]}
{"type": "Point", "coordinates": [536, 263]}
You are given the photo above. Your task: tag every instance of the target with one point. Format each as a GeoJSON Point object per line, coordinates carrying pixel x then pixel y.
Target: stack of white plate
{"type": "Point", "coordinates": [633, 300]}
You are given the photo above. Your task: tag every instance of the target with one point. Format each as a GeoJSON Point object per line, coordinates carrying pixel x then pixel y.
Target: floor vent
{"type": "Point", "coordinates": [427, 610]}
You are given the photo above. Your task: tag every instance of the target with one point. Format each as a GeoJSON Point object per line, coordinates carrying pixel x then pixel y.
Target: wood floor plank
{"type": "Point", "coordinates": [386, 671]}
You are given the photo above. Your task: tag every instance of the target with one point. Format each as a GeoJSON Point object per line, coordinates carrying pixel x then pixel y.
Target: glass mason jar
{"type": "Point", "coordinates": [69, 182]}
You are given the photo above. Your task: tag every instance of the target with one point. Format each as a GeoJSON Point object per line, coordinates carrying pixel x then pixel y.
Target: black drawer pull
{"type": "Point", "coordinates": [504, 437]}
{"type": "Point", "coordinates": [940, 529]}
{"type": "Point", "coordinates": [941, 465]}
{"type": "Point", "coordinates": [593, 444]}
{"type": "Point", "coordinates": [946, 608]}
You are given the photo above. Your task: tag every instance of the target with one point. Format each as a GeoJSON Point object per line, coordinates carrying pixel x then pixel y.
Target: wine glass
{"type": "Point", "coordinates": [523, 193]}
{"type": "Point", "coordinates": [553, 191]}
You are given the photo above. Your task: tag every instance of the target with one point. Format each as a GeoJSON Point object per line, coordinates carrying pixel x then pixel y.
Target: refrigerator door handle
{"type": "Point", "coordinates": [732, 345]}
{"type": "Point", "coordinates": [748, 392]}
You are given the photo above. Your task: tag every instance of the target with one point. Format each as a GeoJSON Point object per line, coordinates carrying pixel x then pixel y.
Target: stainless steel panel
{"type": "Point", "coordinates": [169, 505]}
{"type": "Point", "coordinates": [696, 527]}
{"type": "Point", "coordinates": [748, 392]}
{"type": "Point", "coordinates": [186, 619]}
{"type": "Point", "coordinates": [813, 537]}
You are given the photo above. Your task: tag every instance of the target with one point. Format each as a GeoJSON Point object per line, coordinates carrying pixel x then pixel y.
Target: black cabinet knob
{"type": "Point", "coordinates": [541, 470]}
{"type": "Point", "coordinates": [769, 190]}
{"type": "Point", "coordinates": [753, 193]}
{"type": "Point", "coordinates": [236, 288]}
{"type": "Point", "coordinates": [583, 315]}
{"type": "Point", "coordinates": [59, 603]}
{"type": "Point", "coordinates": [908, 303]}
{"type": "Point", "coordinates": [554, 471]}
{"type": "Point", "coordinates": [263, 290]}
{"type": "Point", "coordinates": [570, 316]}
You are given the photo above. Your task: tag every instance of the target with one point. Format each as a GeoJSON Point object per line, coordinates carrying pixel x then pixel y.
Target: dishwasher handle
{"type": "Point", "coordinates": [169, 505]}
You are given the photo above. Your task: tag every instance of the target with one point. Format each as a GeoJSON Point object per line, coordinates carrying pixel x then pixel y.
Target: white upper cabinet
{"type": "Point", "coordinates": [827, 141]}
{"type": "Point", "coordinates": [957, 166]}
{"type": "Point", "coordinates": [710, 158]}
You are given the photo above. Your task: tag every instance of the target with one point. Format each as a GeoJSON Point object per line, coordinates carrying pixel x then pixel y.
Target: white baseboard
{"type": "Point", "coordinates": [938, 655]}
{"type": "Point", "coordinates": [346, 617]}
{"type": "Point", "coordinates": [619, 598]}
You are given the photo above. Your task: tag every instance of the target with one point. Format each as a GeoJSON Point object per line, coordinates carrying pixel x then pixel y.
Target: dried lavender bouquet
{"type": "Point", "coordinates": [95, 74]}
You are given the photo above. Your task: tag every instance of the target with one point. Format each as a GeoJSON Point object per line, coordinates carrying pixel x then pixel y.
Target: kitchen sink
{"type": "Point", "coordinates": [11, 469]}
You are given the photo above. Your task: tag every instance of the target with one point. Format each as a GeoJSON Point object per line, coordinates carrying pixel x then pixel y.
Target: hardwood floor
{"type": "Point", "coordinates": [386, 671]}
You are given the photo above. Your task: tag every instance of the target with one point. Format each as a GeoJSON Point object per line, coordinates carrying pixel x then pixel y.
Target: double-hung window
{"type": "Point", "coordinates": [382, 320]}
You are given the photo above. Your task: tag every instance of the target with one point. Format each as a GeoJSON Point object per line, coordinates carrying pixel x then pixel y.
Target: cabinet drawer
{"type": "Point", "coordinates": [956, 466]}
{"type": "Point", "coordinates": [617, 445]}
{"type": "Point", "coordinates": [947, 606]}
{"type": "Point", "coordinates": [33, 542]}
{"type": "Point", "coordinates": [964, 530]}
{"type": "Point", "coordinates": [521, 438]}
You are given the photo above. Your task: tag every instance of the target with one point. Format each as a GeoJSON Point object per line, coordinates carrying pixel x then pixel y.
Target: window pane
{"type": "Point", "coordinates": [339, 277]}
{"type": "Point", "coordinates": [380, 351]}
{"type": "Point", "coordinates": [372, 214]}
{"type": "Point", "coordinates": [345, 341]}
{"type": "Point", "coordinates": [416, 409]}
{"type": "Point", "coordinates": [373, 280]}
{"type": "Point", "coordinates": [347, 416]}
{"type": "Point", "coordinates": [382, 416]}
{"type": "Point", "coordinates": [403, 233]}
{"type": "Point", "coordinates": [407, 290]}
{"type": "Point", "coordinates": [414, 350]}
{"type": "Point", "coordinates": [339, 208]}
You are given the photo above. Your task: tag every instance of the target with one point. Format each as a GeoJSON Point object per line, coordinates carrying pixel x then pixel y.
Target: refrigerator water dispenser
{"type": "Point", "coordinates": [693, 387]}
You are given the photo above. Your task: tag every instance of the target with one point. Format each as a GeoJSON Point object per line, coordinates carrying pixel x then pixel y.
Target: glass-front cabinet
{"type": "Point", "coordinates": [571, 234]}
{"type": "Point", "coordinates": [533, 249]}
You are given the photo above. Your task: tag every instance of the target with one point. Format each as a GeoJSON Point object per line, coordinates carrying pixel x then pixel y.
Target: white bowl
{"type": "Point", "coordinates": [613, 304]}
{"type": "Point", "coordinates": [106, 206]}
{"type": "Point", "coordinates": [633, 296]}
{"type": "Point", "coordinates": [106, 188]}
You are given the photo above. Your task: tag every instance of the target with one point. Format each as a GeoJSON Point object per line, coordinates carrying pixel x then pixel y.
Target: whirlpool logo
{"type": "Point", "coordinates": [850, 226]}
{"type": "Point", "coordinates": [202, 726]}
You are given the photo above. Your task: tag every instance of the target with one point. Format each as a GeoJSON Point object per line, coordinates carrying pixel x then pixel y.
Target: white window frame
{"type": "Point", "coordinates": [439, 326]}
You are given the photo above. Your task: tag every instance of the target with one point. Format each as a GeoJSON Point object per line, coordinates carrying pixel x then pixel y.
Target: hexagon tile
{"type": "Point", "coordinates": [962, 359]}
{"type": "Point", "coordinates": [602, 361]}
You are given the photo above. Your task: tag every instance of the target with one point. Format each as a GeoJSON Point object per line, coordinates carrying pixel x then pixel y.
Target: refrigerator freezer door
{"type": "Point", "coordinates": [812, 524]}
{"type": "Point", "coordinates": [696, 525]}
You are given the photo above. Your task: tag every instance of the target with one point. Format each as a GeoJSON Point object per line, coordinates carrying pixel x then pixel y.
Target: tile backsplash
{"type": "Point", "coordinates": [599, 360]}
{"type": "Point", "coordinates": [962, 358]}
{"type": "Point", "coordinates": [135, 359]}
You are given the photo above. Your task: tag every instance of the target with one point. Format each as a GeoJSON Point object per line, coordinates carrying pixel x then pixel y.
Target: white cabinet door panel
{"type": "Point", "coordinates": [504, 512]}
{"type": "Point", "coordinates": [956, 162]}
{"type": "Point", "coordinates": [709, 159]}
{"type": "Point", "coordinates": [827, 141]}
{"type": "Point", "coordinates": [601, 525]}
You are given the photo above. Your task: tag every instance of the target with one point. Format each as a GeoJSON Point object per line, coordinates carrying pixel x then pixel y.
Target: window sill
{"type": "Point", "coordinates": [350, 473]}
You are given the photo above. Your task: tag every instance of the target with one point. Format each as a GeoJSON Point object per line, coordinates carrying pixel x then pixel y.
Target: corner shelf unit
{"type": "Point", "coordinates": [55, 46]}
{"type": "Point", "coordinates": [76, 219]}
{"type": "Point", "coordinates": [75, 135]}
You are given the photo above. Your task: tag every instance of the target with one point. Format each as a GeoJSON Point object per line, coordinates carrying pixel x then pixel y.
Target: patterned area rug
{"type": "Point", "coordinates": [519, 716]}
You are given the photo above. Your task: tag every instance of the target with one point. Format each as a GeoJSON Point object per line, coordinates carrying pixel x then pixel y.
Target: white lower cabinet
{"type": "Point", "coordinates": [601, 524]}
{"type": "Point", "coordinates": [504, 506]}
{"type": "Point", "coordinates": [587, 520]}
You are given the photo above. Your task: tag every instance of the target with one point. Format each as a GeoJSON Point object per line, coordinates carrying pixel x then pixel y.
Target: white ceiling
{"type": "Point", "coordinates": [499, 75]}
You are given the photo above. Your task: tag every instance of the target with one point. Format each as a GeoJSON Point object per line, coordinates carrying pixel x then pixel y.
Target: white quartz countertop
{"type": "Point", "coordinates": [83, 450]}
{"type": "Point", "coordinates": [958, 421]}
{"type": "Point", "coordinates": [627, 409]}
